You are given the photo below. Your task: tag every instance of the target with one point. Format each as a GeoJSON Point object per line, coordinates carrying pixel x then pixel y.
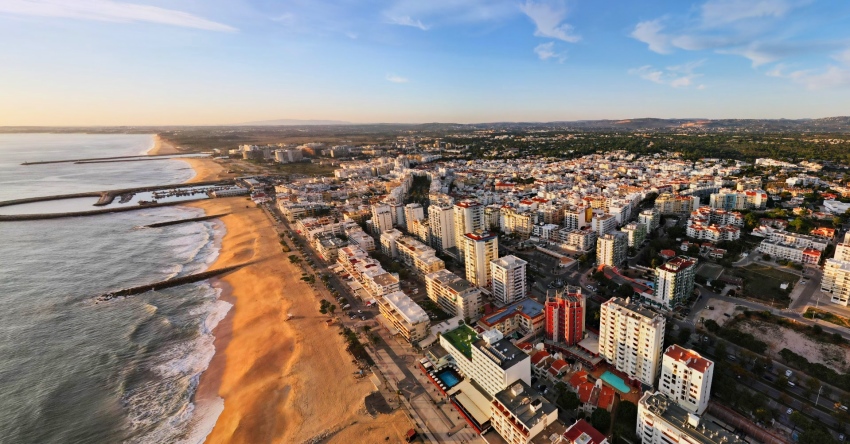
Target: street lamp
{"type": "Point", "coordinates": [818, 398]}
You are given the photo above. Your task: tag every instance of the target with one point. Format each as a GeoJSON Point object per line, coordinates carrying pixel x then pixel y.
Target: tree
{"type": "Point", "coordinates": [684, 336]}
{"type": "Point", "coordinates": [711, 325]}
{"type": "Point", "coordinates": [720, 349]}
{"type": "Point", "coordinates": [332, 308]}
{"type": "Point", "coordinates": [625, 291]}
{"type": "Point", "coordinates": [568, 400]}
{"type": "Point", "coordinates": [781, 382]}
{"type": "Point", "coordinates": [799, 420]}
{"type": "Point", "coordinates": [293, 259]}
{"type": "Point", "coordinates": [600, 419]}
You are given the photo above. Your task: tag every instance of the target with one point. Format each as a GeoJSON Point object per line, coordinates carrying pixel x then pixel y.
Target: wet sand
{"type": "Point", "coordinates": [161, 146]}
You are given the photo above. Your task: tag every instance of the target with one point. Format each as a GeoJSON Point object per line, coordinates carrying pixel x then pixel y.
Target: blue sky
{"type": "Point", "coordinates": [111, 62]}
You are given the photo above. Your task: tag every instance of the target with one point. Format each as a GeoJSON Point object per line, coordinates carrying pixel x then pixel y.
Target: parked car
{"type": "Point", "coordinates": [791, 384]}
{"type": "Point", "coordinates": [788, 373]}
{"type": "Point", "coordinates": [789, 411]}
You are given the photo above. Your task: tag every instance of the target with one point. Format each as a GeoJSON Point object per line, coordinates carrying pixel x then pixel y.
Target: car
{"type": "Point", "coordinates": [789, 411]}
{"type": "Point", "coordinates": [791, 384]}
{"type": "Point", "coordinates": [803, 283]}
{"type": "Point", "coordinates": [363, 318]}
{"type": "Point", "coordinates": [788, 373]}
{"type": "Point", "coordinates": [768, 378]}
{"type": "Point", "coordinates": [731, 357]}
{"type": "Point", "coordinates": [705, 339]}
{"type": "Point", "coordinates": [359, 311]}
{"type": "Point", "coordinates": [841, 437]}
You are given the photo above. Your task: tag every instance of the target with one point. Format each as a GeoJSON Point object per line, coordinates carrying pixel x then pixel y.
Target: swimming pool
{"type": "Point", "coordinates": [615, 381]}
{"type": "Point", "coordinates": [449, 377]}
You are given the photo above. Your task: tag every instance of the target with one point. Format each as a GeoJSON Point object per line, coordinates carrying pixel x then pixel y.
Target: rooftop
{"type": "Point", "coordinates": [461, 338]}
{"type": "Point", "coordinates": [509, 261]}
{"type": "Point", "coordinates": [525, 403]}
{"type": "Point", "coordinates": [702, 431]}
{"type": "Point", "coordinates": [634, 308]}
{"type": "Point", "coordinates": [583, 433]}
{"type": "Point", "coordinates": [405, 306]}
{"type": "Point", "coordinates": [527, 307]}
{"type": "Point", "coordinates": [502, 352]}
{"type": "Point", "coordinates": [691, 358]}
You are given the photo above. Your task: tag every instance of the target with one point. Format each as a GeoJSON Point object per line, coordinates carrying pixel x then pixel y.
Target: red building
{"type": "Point", "coordinates": [565, 317]}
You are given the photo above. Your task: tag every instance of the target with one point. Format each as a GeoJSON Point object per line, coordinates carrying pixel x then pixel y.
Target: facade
{"type": "Point", "coordinates": [636, 234]}
{"type": "Point", "coordinates": [441, 221]}
{"type": "Point", "coordinates": [479, 249]}
{"type": "Point", "coordinates": [661, 421]}
{"type": "Point", "coordinates": [508, 278]}
{"type": "Point", "coordinates": [674, 281]}
{"type": "Point", "coordinates": [650, 218]}
{"type": "Point", "coordinates": [413, 212]}
{"type": "Point", "coordinates": [488, 359]}
{"type": "Point", "coordinates": [382, 217]}
{"type": "Point", "coordinates": [454, 294]}
{"type": "Point", "coordinates": [798, 240]}
{"type": "Point", "coordinates": [727, 199]}
{"type": "Point", "coordinates": [611, 249]}
{"type": "Point", "coordinates": [686, 378]}
{"type": "Point", "coordinates": [565, 317]}
{"type": "Point", "coordinates": [525, 317]}
{"type": "Point", "coordinates": [668, 203]}
{"type": "Point", "coordinates": [468, 218]}
{"type": "Point", "coordinates": [405, 316]}
{"type": "Point", "coordinates": [631, 339]}
{"type": "Point", "coordinates": [418, 256]}
{"type": "Point", "coordinates": [603, 224]}
{"type": "Point", "coordinates": [577, 217]}
{"type": "Point", "coordinates": [389, 242]}
{"type": "Point", "coordinates": [520, 413]}
{"type": "Point", "coordinates": [790, 252]}
{"type": "Point", "coordinates": [836, 281]}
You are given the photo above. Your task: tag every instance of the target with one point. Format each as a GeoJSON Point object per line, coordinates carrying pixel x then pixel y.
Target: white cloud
{"type": "Point", "coordinates": [548, 17]}
{"type": "Point", "coordinates": [396, 79]}
{"type": "Point", "coordinates": [407, 21]}
{"type": "Point", "coordinates": [452, 11]}
{"type": "Point", "coordinates": [722, 12]}
{"type": "Point", "coordinates": [679, 76]}
{"type": "Point", "coordinates": [832, 76]}
{"type": "Point", "coordinates": [110, 11]}
{"type": "Point", "coordinates": [649, 32]}
{"type": "Point", "coordinates": [547, 51]}
{"type": "Point", "coordinates": [287, 18]}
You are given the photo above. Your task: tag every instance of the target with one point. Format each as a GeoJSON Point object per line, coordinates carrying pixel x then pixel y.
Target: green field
{"type": "Point", "coordinates": [762, 282]}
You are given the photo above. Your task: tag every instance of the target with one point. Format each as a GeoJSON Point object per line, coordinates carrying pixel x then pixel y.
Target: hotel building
{"type": "Point", "coordinates": [520, 413]}
{"type": "Point", "coordinates": [404, 316]}
{"type": "Point", "coordinates": [631, 339]}
{"type": "Point", "coordinates": [661, 421]}
{"type": "Point", "coordinates": [491, 361]}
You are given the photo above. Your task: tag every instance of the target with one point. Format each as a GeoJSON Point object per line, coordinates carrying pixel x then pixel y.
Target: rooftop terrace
{"type": "Point", "coordinates": [459, 338]}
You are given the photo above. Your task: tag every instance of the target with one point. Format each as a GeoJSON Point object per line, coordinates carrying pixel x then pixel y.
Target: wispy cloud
{"type": "Point", "coordinates": [547, 51]}
{"type": "Point", "coordinates": [396, 78]}
{"type": "Point", "coordinates": [832, 76]}
{"type": "Point", "coordinates": [110, 11]}
{"type": "Point", "coordinates": [442, 12]}
{"type": "Point", "coordinates": [548, 17]}
{"type": "Point", "coordinates": [407, 21]}
{"type": "Point", "coordinates": [287, 18]}
{"type": "Point", "coordinates": [678, 76]}
{"type": "Point", "coordinates": [649, 32]}
{"type": "Point", "coordinates": [721, 12]}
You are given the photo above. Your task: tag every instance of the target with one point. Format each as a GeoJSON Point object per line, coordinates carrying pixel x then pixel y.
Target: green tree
{"type": "Point", "coordinates": [600, 419]}
{"type": "Point", "coordinates": [711, 325]}
{"type": "Point", "coordinates": [568, 400]}
{"type": "Point", "coordinates": [684, 336]}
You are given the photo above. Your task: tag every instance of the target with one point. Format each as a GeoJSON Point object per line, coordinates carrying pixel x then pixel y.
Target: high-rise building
{"type": "Point", "coordinates": [636, 234]}
{"type": "Point", "coordinates": [836, 281]}
{"type": "Point", "coordinates": [441, 219]}
{"type": "Point", "coordinates": [508, 277]}
{"type": "Point", "coordinates": [454, 294]}
{"type": "Point", "coordinates": [604, 223]}
{"type": "Point", "coordinates": [468, 218]}
{"type": "Point", "coordinates": [577, 217]}
{"type": "Point", "coordinates": [520, 413]}
{"type": "Point", "coordinates": [413, 212]}
{"type": "Point", "coordinates": [479, 249]}
{"type": "Point", "coordinates": [489, 359]}
{"type": "Point", "coordinates": [631, 338]}
{"type": "Point", "coordinates": [661, 421]}
{"type": "Point", "coordinates": [565, 316]}
{"type": "Point", "coordinates": [674, 281]}
{"type": "Point", "coordinates": [650, 218]}
{"type": "Point", "coordinates": [611, 249]}
{"type": "Point", "coordinates": [686, 378]}
{"type": "Point", "coordinates": [727, 199]}
{"type": "Point", "coordinates": [382, 217]}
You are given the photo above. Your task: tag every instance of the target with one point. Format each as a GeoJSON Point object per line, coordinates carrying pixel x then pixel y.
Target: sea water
{"type": "Point", "coordinates": [76, 371]}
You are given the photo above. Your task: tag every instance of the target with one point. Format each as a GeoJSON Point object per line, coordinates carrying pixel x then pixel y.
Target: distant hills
{"type": "Point", "coordinates": [293, 122]}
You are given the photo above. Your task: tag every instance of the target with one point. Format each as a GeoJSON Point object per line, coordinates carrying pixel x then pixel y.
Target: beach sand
{"type": "Point", "coordinates": [161, 146]}
{"type": "Point", "coordinates": [206, 169]}
{"type": "Point", "coordinates": [281, 381]}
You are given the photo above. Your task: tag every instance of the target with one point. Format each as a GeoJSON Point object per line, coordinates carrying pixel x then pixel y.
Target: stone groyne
{"type": "Point", "coordinates": [183, 221]}
{"type": "Point", "coordinates": [182, 280]}
{"type": "Point", "coordinates": [118, 158]}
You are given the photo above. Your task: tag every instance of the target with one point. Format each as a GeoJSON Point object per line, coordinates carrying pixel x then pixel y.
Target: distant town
{"type": "Point", "coordinates": [613, 296]}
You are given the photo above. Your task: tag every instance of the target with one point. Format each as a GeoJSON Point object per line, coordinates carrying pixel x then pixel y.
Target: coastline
{"type": "Point", "coordinates": [161, 146]}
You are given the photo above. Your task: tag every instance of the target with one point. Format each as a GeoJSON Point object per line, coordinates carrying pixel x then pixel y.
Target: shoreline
{"type": "Point", "coordinates": [161, 146]}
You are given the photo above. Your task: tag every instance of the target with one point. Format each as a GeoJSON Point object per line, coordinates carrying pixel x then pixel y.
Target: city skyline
{"type": "Point", "coordinates": [104, 62]}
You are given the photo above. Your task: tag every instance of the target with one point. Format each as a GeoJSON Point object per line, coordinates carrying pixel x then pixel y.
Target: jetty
{"type": "Point", "coordinates": [115, 158]}
{"type": "Point", "coordinates": [174, 282]}
{"type": "Point", "coordinates": [183, 221]}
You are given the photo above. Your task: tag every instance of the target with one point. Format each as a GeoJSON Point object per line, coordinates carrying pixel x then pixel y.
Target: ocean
{"type": "Point", "coordinates": [76, 371]}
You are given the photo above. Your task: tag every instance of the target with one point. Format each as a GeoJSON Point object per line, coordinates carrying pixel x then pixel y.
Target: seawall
{"type": "Point", "coordinates": [183, 221]}
{"type": "Point", "coordinates": [182, 280]}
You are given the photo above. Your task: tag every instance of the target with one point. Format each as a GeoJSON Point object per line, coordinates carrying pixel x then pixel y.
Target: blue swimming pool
{"type": "Point", "coordinates": [615, 381]}
{"type": "Point", "coordinates": [449, 377]}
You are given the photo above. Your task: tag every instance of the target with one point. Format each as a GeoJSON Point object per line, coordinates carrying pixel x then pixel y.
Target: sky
{"type": "Point", "coordinates": [212, 62]}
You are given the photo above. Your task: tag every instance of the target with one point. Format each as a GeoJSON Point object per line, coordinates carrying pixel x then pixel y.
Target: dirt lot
{"type": "Point", "coordinates": [777, 338]}
{"type": "Point", "coordinates": [720, 308]}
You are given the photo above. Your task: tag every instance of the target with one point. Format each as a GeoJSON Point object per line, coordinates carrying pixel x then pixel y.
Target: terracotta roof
{"type": "Point", "coordinates": [606, 397]}
{"type": "Point", "coordinates": [585, 389]}
{"type": "Point", "coordinates": [578, 378]}
{"type": "Point", "coordinates": [583, 427]}
{"type": "Point", "coordinates": [539, 356]}
{"type": "Point", "coordinates": [690, 357]}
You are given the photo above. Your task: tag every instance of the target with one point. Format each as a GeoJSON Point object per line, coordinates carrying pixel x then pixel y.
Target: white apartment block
{"type": "Point", "coordinates": [713, 233]}
{"type": "Point", "coordinates": [441, 221]}
{"type": "Point", "coordinates": [382, 218]}
{"type": "Point", "coordinates": [790, 252]}
{"type": "Point", "coordinates": [631, 339]}
{"type": "Point", "coordinates": [405, 316]}
{"type": "Point", "coordinates": [836, 281]}
{"type": "Point", "coordinates": [361, 239]}
{"type": "Point", "coordinates": [650, 219]}
{"type": "Point", "coordinates": [668, 203]}
{"type": "Point", "coordinates": [636, 233]}
{"type": "Point", "coordinates": [420, 257]}
{"type": "Point", "coordinates": [367, 271]}
{"type": "Point", "coordinates": [727, 199]}
{"type": "Point", "coordinates": [468, 218]}
{"type": "Point", "coordinates": [674, 281]}
{"type": "Point", "coordinates": [488, 359]}
{"type": "Point", "coordinates": [454, 294]}
{"type": "Point", "coordinates": [413, 212]}
{"type": "Point", "coordinates": [520, 413]}
{"type": "Point", "coordinates": [611, 249]}
{"type": "Point", "coordinates": [798, 240]}
{"type": "Point", "coordinates": [389, 242]}
{"type": "Point", "coordinates": [661, 421]}
{"type": "Point", "coordinates": [686, 378]}
{"type": "Point", "coordinates": [576, 218]}
{"type": "Point", "coordinates": [479, 249]}
{"type": "Point", "coordinates": [509, 281]}
{"type": "Point", "coordinates": [842, 251]}
{"type": "Point", "coordinates": [603, 224]}
{"type": "Point", "coordinates": [580, 240]}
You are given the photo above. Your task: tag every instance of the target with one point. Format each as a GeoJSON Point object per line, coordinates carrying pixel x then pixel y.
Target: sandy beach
{"type": "Point", "coordinates": [206, 169]}
{"type": "Point", "coordinates": [281, 381]}
{"type": "Point", "coordinates": [161, 146]}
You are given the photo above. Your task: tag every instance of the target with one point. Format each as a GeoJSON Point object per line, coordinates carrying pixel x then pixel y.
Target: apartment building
{"type": "Point", "coordinates": [581, 432]}
{"type": "Point", "coordinates": [604, 223]}
{"type": "Point", "coordinates": [611, 249]}
{"type": "Point", "coordinates": [468, 218]}
{"type": "Point", "coordinates": [565, 316]}
{"type": "Point", "coordinates": [674, 281]}
{"type": "Point", "coordinates": [577, 217]}
{"type": "Point", "coordinates": [389, 242]}
{"type": "Point", "coordinates": [650, 218]}
{"type": "Point", "coordinates": [441, 221]}
{"type": "Point", "coordinates": [418, 256]}
{"type": "Point", "coordinates": [583, 240]}
{"type": "Point", "coordinates": [489, 359]}
{"type": "Point", "coordinates": [713, 233]}
{"type": "Point", "coordinates": [636, 234]}
{"type": "Point", "coordinates": [727, 199]}
{"type": "Point", "coordinates": [454, 294]}
{"type": "Point", "coordinates": [661, 421]}
{"type": "Point", "coordinates": [631, 339]}
{"type": "Point", "coordinates": [479, 250]}
{"type": "Point", "coordinates": [686, 378]}
{"type": "Point", "coordinates": [361, 239]}
{"type": "Point", "coordinates": [836, 281]}
{"type": "Point", "coordinates": [508, 278]}
{"type": "Point", "coordinates": [520, 413]}
{"type": "Point", "coordinates": [668, 203]}
{"type": "Point", "coordinates": [798, 240]}
{"type": "Point", "coordinates": [367, 271]}
{"type": "Point", "coordinates": [404, 316]}
{"type": "Point", "coordinates": [526, 316]}
{"type": "Point", "coordinates": [789, 252]}
{"type": "Point", "coordinates": [382, 217]}
{"type": "Point", "coordinates": [413, 212]}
